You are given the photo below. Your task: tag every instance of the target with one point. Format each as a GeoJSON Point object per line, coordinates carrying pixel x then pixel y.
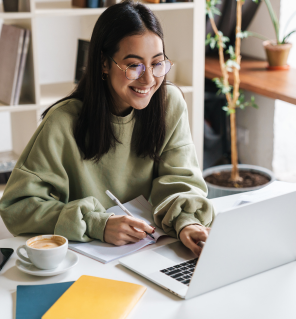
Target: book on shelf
{"type": "Point", "coordinates": [82, 57]}
{"type": "Point", "coordinates": [107, 3]}
{"type": "Point", "coordinates": [21, 72]}
{"type": "Point", "coordinates": [24, 6]}
{"type": "Point", "coordinates": [79, 3]}
{"type": "Point", "coordinates": [14, 42]}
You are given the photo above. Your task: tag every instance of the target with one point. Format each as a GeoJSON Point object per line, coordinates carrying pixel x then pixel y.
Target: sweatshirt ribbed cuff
{"type": "Point", "coordinates": [96, 223]}
{"type": "Point", "coordinates": [183, 220]}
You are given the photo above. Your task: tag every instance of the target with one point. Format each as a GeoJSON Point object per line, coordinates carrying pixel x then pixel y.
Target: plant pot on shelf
{"type": "Point", "coordinates": [277, 55]}
{"type": "Point", "coordinates": [219, 191]}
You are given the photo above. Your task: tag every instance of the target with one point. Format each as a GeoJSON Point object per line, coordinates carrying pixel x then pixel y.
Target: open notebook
{"type": "Point", "coordinates": [104, 252]}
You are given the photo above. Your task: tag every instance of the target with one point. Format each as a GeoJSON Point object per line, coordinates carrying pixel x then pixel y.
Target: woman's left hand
{"type": "Point", "coordinates": [191, 235]}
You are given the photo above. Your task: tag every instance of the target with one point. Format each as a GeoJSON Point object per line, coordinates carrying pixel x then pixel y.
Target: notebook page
{"type": "Point", "coordinates": [105, 252]}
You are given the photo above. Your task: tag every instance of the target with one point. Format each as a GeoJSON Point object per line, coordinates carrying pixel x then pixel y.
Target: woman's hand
{"type": "Point", "coordinates": [192, 234]}
{"type": "Point", "coordinates": [120, 230]}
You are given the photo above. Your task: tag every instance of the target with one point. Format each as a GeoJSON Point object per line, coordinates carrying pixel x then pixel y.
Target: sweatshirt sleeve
{"type": "Point", "coordinates": [179, 191]}
{"type": "Point", "coordinates": [36, 197]}
{"type": "Point", "coordinates": [28, 206]}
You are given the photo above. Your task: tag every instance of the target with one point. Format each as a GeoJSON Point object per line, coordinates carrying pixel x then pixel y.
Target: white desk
{"type": "Point", "coordinates": [268, 295]}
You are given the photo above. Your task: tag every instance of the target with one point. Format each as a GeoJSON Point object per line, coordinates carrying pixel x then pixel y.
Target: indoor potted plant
{"type": "Point", "coordinates": [277, 51]}
{"type": "Point", "coordinates": [235, 178]}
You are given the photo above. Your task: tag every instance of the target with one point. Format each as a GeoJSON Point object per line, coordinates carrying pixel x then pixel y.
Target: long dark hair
{"type": "Point", "coordinates": [93, 133]}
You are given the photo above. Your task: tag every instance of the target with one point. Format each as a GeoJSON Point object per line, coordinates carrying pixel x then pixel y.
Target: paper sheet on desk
{"type": "Point", "coordinates": [274, 189]}
{"type": "Point", "coordinates": [104, 252]}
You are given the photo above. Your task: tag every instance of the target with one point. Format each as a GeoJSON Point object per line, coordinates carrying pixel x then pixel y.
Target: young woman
{"type": "Point", "coordinates": [122, 129]}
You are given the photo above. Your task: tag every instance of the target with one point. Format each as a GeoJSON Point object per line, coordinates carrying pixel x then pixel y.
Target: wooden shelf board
{"type": "Point", "coordinates": [65, 8]}
{"type": "Point", "coordinates": [7, 161]}
{"type": "Point", "coordinates": [256, 78]}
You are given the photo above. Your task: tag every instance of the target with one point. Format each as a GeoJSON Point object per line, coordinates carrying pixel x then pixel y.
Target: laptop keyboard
{"type": "Point", "coordinates": [181, 272]}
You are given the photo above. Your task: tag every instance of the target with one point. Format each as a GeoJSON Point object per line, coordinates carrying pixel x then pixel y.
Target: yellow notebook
{"type": "Point", "coordinates": [94, 297]}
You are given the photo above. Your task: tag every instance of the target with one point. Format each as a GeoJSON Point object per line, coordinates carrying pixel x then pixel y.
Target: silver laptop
{"type": "Point", "coordinates": [244, 241]}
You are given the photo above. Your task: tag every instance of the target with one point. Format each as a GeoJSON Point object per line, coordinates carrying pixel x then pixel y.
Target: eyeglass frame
{"type": "Point", "coordinates": [150, 67]}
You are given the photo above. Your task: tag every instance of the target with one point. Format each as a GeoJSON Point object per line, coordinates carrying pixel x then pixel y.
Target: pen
{"type": "Point", "coordinates": [124, 208]}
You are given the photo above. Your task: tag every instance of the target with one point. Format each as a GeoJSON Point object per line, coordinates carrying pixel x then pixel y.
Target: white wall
{"type": "Point", "coordinates": [260, 123]}
{"type": "Point", "coordinates": [284, 161]}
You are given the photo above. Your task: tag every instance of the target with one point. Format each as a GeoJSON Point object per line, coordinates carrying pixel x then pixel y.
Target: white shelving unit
{"type": "Point", "coordinates": [55, 27]}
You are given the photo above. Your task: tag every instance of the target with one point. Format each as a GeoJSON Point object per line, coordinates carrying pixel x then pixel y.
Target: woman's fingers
{"type": "Point", "coordinates": [140, 225]}
{"type": "Point", "coordinates": [191, 236]}
{"type": "Point", "coordinates": [189, 243]}
{"type": "Point", "coordinates": [120, 230]}
{"type": "Point", "coordinates": [125, 239]}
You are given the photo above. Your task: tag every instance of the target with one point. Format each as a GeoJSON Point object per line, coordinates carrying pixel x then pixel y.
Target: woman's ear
{"type": "Point", "coordinates": [105, 67]}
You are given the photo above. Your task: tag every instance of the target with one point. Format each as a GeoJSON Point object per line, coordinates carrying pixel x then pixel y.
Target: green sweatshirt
{"type": "Point", "coordinates": [52, 190]}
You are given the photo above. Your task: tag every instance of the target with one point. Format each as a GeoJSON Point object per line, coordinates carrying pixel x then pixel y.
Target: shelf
{"type": "Point", "coordinates": [19, 108]}
{"type": "Point", "coordinates": [256, 78]}
{"type": "Point", "coordinates": [14, 15]}
{"type": "Point", "coordinates": [62, 8]}
{"type": "Point", "coordinates": [7, 161]}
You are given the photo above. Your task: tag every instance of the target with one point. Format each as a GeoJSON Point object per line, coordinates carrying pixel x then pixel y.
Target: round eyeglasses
{"type": "Point", "coordinates": [136, 70]}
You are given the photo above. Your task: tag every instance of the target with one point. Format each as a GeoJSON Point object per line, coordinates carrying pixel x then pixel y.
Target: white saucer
{"type": "Point", "coordinates": [69, 262]}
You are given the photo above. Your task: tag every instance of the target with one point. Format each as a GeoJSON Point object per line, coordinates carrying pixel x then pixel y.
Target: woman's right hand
{"type": "Point", "coordinates": [122, 230]}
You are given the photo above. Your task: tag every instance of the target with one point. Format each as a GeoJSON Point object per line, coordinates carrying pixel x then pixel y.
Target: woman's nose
{"type": "Point", "coordinates": [148, 76]}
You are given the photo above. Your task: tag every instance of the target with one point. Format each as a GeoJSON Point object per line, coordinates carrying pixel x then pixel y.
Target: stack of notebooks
{"type": "Point", "coordinates": [14, 44]}
{"type": "Point", "coordinates": [88, 297]}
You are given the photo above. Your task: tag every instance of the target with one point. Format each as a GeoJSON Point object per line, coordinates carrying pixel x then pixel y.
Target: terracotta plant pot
{"type": "Point", "coordinates": [277, 54]}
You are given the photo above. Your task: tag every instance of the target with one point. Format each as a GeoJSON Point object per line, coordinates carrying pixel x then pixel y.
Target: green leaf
{"type": "Point", "coordinates": [254, 34]}
{"type": "Point", "coordinates": [241, 98]}
{"type": "Point", "coordinates": [230, 51]}
{"type": "Point", "coordinates": [243, 34]}
{"type": "Point", "coordinates": [230, 111]}
{"type": "Point", "coordinates": [287, 36]}
{"type": "Point", "coordinates": [230, 64]}
{"type": "Point", "coordinates": [256, 1]}
{"type": "Point", "coordinates": [255, 106]}
{"type": "Point", "coordinates": [274, 19]}
{"type": "Point", "coordinates": [225, 108]}
{"type": "Point", "coordinates": [253, 98]}
{"type": "Point", "coordinates": [212, 43]}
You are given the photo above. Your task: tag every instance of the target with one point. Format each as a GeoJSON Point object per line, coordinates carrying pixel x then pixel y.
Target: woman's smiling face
{"type": "Point", "coordinates": [147, 49]}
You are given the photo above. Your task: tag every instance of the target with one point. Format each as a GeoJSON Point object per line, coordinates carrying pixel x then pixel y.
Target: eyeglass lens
{"type": "Point", "coordinates": [160, 69]}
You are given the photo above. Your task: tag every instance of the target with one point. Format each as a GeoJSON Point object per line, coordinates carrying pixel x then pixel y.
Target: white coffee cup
{"type": "Point", "coordinates": [44, 251]}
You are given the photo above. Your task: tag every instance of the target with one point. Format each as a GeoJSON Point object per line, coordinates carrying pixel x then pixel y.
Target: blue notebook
{"type": "Point", "coordinates": [33, 301]}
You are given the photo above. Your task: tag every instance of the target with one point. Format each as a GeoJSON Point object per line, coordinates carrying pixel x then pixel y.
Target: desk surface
{"type": "Point", "coordinates": [268, 295]}
{"type": "Point", "coordinates": [256, 78]}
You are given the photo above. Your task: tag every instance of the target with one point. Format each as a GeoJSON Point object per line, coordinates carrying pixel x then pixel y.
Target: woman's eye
{"type": "Point", "coordinates": [134, 65]}
{"type": "Point", "coordinates": [158, 63]}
